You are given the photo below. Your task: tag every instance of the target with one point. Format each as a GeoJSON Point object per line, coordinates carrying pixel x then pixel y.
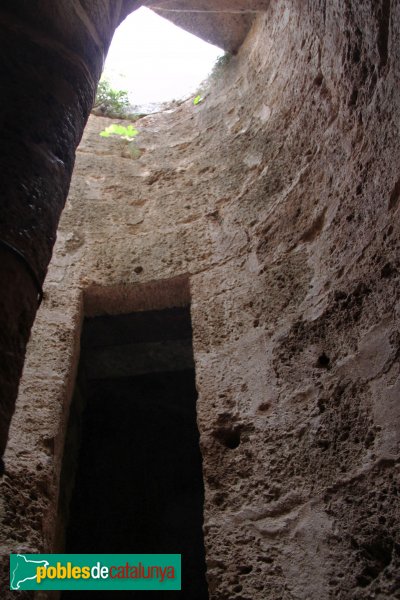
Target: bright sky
{"type": "Point", "coordinates": [155, 60]}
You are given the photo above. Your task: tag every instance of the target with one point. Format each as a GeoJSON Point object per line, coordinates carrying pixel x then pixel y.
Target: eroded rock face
{"type": "Point", "coordinates": [277, 201]}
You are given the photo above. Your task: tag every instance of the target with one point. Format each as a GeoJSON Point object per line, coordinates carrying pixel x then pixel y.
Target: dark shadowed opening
{"type": "Point", "coordinates": [132, 473]}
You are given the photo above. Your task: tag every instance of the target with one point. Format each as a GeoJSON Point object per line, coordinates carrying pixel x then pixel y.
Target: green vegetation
{"type": "Point", "coordinates": [126, 133]}
{"type": "Point", "coordinates": [220, 65]}
{"type": "Point", "coordinates": [115, 104]}
{"type": "Point", "coordinates": [218, 70]}
{"type": "Point", "coordinates": [111, 102]}
{"type": "Point", "coordinates": [127, 136]}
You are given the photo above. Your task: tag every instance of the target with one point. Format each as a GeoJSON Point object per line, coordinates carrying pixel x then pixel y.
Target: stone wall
{"type": "Point", "coordinates": [272, 207]}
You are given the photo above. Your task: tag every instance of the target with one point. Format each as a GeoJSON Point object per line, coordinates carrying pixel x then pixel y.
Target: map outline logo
{"type": "Point", "coordinates": [16, 585]}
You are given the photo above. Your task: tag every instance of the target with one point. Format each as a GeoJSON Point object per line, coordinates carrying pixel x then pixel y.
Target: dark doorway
{"type": "Point", "coordinates": [138, 484]}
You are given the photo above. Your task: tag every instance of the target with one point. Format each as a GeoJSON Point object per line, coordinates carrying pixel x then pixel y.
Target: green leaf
{"type": "Point", "coordinates": [126, 133]}
{"type": "Point", "coordinates": [197, 100]}
{"type": "Point", "coordinates": [116, 129]}
{"type": "Point", "coordinates": [131, 131]}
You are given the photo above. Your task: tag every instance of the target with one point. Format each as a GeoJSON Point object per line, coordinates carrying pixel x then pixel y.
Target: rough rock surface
{"type": "Point", "coordinates": [277, 201]}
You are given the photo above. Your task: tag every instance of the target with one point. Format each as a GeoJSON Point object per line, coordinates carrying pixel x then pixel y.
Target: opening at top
{"type": "Point", "coordinates": [156, 61]}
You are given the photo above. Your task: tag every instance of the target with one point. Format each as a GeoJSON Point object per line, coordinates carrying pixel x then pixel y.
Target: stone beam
{"type": "Point", "coordinates": [224, 23]}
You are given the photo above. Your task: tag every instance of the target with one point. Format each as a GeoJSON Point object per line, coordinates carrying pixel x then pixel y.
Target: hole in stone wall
{"type": "Point", "coordinates": [323, 361]}
{"type": "Point", "coordinates": [229, 437]}
{"type": "Point", "coordinates": [132, 472]}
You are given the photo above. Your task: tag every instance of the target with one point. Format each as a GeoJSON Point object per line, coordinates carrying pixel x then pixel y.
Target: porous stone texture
{"type": "Point", "coordinates": [273, 206]}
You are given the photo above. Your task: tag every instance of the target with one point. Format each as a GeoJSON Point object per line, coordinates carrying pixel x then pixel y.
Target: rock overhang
{"type": "Point", "coordinates": [224, 23]}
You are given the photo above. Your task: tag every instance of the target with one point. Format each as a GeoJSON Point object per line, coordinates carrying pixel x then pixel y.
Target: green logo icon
{"type": "Point", "coordinates": [95, 571]}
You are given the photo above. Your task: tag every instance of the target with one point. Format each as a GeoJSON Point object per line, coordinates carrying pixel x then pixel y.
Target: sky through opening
{"type": "Point", "coordinates": [157, 61]}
